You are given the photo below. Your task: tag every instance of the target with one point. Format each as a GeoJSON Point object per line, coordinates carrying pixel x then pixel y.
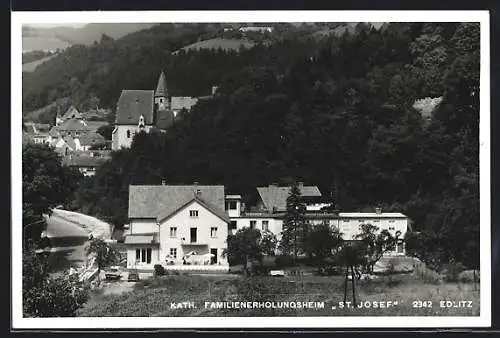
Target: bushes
{"type": "Point", "coordinates": [428, 275]}
{"type": "Point", "coordinates": [159, 270]}
{"type": "Point", "coordinates": [469, 276]}
{"type": "Point", "coordinates": [452, 271]}
{"type": "Point", "coordinates": [284, 261]}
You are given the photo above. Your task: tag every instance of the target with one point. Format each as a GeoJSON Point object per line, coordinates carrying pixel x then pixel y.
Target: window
{"type": "Point", "coordinates": [346, 221]}
{"type": "Point", "coordinates": [376, 220]}
{"type": "Point", "coordinates": [213, 232]}
{"type": "Point", "coordinates": [173, 231]}
{"type": "Point", "coordinates": [232, 205]}
{"type": "Point", "coordinates": [253, 224]}
{"type": "Point", "coordinates": [161, 100]}
{"type": "Point", "coordinates": [173, 252]}
{"type": "Point", "coordinates": [400, 247]}
{"type": "Point", "coordinates": [128, 133]}
{"type": "Point", "coordinates": [233, 225]}
{"type": "Point", "coordinates": [143, 255]}
{"type": "Point", "coordinates": [265, 225]}
{"type": "Point", "coordinates": [193, 213]}
{"type": "Point", "coordinates": [391, 221]}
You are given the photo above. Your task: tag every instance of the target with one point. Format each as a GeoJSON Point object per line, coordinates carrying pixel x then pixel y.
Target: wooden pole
{"type": "Point", "coordinates": [353, 287]}
{"type": "Point", "coordinates": [345, 283]}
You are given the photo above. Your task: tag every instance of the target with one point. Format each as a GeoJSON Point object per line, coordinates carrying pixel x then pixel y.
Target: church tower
{"type": "Point", "coordinates": [162, 99]}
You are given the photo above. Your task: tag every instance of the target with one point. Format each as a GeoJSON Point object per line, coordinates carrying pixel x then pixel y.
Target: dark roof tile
{"type": "Point", "coordinates": [134, 103]}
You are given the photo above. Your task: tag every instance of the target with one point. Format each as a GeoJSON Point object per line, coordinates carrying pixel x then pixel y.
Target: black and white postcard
{"type": "Point", "coordinates": [251, 169]}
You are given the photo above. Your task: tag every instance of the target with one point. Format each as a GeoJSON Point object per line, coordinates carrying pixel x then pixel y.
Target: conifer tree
{"type": "Point", "coordinates": [293, 223]}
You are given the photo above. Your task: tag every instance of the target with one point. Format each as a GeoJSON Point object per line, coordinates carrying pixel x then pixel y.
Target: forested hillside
{"type": "Point", "coordinates": [341, 117]}
{"type": "Point", "coordinates": [134, 61]}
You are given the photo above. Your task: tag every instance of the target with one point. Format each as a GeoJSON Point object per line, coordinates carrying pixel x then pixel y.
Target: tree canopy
{"type": "Point", "coordinates": [337, 112]}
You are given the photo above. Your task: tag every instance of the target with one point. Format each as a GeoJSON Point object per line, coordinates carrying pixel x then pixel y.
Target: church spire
{"type": "Point", "coordinates": [161, 88]}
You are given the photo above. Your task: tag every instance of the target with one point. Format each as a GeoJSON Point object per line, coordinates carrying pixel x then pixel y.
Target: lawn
{"type": "Point", "coordinates": [154, 297]}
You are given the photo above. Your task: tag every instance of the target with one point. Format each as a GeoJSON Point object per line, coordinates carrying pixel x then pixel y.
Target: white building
{"type": "Point", "coordinates": [142, 110]}
{"type": "Point", "coordinates": [172, 224]}
{"type": "Point", "coordinates": [269, 211]}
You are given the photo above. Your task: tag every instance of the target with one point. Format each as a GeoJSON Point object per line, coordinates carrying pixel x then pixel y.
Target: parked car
{"type": "Point", "coordinates": [277, 273]}
{"type": "Point", "coordinates": [113, 273]}
{"type": "Point", "coordinates": [133, 276]}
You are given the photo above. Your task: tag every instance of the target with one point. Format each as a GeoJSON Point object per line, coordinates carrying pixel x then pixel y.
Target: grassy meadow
{"type": "Point", "coordinates": [153, 297]}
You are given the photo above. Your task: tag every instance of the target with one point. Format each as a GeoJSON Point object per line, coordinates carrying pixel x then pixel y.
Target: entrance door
{"type": "Point", "coordinates": [213, 259]}
{"type": "Point", "coordinates": [193, 235]}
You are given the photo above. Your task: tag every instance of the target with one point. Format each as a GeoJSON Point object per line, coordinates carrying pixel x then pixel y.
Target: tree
{"type": "Point", "coordinates": [44, 296]}
{"type": "Point", "coordinates": [56, 297]}
{"type": "Point", "coordinates": [294, 223]}
{"type": "Point", "coordinates": [322, 240]}
{"type": "Point", "coordinates": [46, 184]}
{"type": "Point", "coordinates": [375, 243]}
{"type": "Point", "coordinates": [243, 246]}
{"type": "Point", "coordinates": [268, 243]}
{"type": "Point", "coordinates": [106, 131]}
{"type": "Point", "coordinates": [105, 255]}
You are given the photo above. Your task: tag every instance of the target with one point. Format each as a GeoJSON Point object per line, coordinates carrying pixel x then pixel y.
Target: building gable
{"type": "Point", "coordinates": [149, 201]}
{"type": "Point", "coordinates": [168, 213]}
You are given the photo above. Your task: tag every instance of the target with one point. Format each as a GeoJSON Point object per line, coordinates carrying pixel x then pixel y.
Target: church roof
{"type": "Point", "coordinates": [134, 103]}
{"type": "Point", "coordinates": [161, 88]}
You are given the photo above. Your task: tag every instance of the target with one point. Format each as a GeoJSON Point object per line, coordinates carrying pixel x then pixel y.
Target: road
{"type": "Point", "coordinates": [68, 241]}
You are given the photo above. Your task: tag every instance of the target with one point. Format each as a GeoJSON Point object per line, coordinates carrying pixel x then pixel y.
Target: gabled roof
{"type": "Point", "coordinates": [72, 113]}
{"type": "Point", "coordinates": [274, 197]}
{"type": "Point", "coordinates": [134, 103]}
{"type": "Point", "coordinates": [150, 201]}
{"type": "Point", "coordinates": [372, 215]}
{"type": "Point", "coordinates": [91, 139]}
{"type": "Point", "coordinates": [71, 125]}
{"type": "Point", "coordinates": [169, 211]}
{"type": "Point", "coordinates": [83, 161]}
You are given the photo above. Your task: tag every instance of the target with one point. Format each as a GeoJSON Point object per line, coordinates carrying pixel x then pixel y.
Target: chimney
{"type": "Point", "coordinates": [214, 89]}
{"type": "Point", "coordinates": [378, 210]}
{"type": "Point", "coordinates": [300, 184]}
{"type": "Point", "coordinates": [163, 182]}
{"type": "Point", "coordinates": [274, 184]}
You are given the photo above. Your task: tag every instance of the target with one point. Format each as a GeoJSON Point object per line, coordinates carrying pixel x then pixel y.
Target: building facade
{"type": "Point", "coordinates": [176, 225]}
{"type": "Point", "coordinates": [143, 110]}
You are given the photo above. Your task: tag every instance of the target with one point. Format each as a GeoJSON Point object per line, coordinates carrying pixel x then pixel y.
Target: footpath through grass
{"type": "Point", "coordinates": [186, 295]}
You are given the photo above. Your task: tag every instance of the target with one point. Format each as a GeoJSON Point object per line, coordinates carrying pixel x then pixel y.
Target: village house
{"type": "Point", "coordinates": [38, 132]}
{"type": "Point", "coordinates": [143, 110]}
{"type": "Point", "coordinates": [177, 225]}
{"type": "Point", "coordinates": [259, 29]}
{"type": "Point", "coordinates": [268, 213]}
{"type": "Point", "coordinates": [85, 163]}
{"type": "Point", "coordinates": [170, 224]}
{"type": "Point", "coordinates": [71, 113]}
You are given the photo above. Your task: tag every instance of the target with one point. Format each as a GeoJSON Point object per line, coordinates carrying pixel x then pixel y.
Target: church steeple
{"type": "Point", "coordinates": [161, 88]}
{"type": "Point", "coordinates": [162, 99]}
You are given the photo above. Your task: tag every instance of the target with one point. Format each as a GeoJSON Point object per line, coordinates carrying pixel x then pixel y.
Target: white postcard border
{"type": "Point", "coordinates": [20, 18]}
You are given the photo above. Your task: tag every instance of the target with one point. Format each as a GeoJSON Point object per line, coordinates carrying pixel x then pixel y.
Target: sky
{"type": "Point", "coordinates": [50, 25]}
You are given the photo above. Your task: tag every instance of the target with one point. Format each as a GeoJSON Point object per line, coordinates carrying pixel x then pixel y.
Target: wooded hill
{"type": "Point", "coordinates": [134, 61]}
{"type": "Point", "coordinates": [338, 114]}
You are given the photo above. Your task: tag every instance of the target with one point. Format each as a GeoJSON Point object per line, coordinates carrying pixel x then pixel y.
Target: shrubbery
{"type": "Point", "coordinates": [284, 261]}
{"type": "Point", "coordinates": [159, 270]}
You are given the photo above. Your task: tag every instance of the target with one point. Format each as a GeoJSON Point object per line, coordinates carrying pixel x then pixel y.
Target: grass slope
{"type": "Point", "coordinates": [224, 44]}
{"type": "Point", "coordinates": [153, 297]}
